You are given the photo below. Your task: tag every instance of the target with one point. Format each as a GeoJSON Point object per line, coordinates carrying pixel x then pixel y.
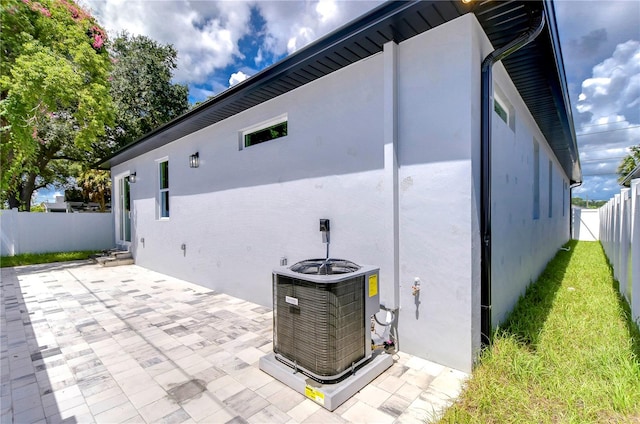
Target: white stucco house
{"type": "Point", "coordinates": [429, 164]}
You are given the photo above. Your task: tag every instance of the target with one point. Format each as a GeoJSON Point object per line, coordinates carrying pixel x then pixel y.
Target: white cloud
{"type": "Point", "coordinates": [614, 88]}
{"type": "Point", "coordinates": [237, 77]}
{"type": "Point", "coordinates": [326, 9]}
{"type": "Point", "coordinates": [205, 34]}
{"type": "Point", "coordinates": [292, 25]}
{"type": "Point", "coordinates": [609, 105]}
{"type": "Point", "coordinates": [590, 31]}
{"type": "Point", "coordinates": [597, 188]}
{"type": "Point", "coordinates": [259, 57]}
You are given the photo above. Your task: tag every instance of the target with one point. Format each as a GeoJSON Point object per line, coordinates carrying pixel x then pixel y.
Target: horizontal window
{"type": "Point", "coordinates": [260, 135]}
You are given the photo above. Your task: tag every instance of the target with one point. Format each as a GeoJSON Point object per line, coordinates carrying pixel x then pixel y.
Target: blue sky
{"type": "Point", "coordinates": [220, 43]}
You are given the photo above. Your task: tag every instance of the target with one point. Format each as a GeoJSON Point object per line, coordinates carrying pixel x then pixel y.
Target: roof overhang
{"type": "Point", "coordinates": [536, 70]}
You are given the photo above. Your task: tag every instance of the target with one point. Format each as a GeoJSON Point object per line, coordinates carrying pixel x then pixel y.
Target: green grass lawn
{"type": "Point", "coordinates": [569, 352]}
{"type": "Point", "coordinates": [42, 258]}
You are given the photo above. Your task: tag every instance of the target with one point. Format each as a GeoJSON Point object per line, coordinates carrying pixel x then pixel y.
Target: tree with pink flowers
{"type": "Point", "coordinates": [54, 94]}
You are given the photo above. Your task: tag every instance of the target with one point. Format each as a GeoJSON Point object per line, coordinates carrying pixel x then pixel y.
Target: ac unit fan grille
{"type": "Point", "coordinates": [325, 267]}
{"type": "Point", "coordinates": [325, 332]}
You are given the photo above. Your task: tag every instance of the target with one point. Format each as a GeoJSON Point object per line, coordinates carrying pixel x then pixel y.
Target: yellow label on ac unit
{"type": "Point", "coordinates": [314, 394]}
{"type": "Point", "coordinates": [373, 285]}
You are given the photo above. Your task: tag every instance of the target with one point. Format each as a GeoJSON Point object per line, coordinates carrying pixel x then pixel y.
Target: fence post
{"type": "Point", "coordinates": [635, 251]}
{"type": "Point", "coordinates": [625, 206]}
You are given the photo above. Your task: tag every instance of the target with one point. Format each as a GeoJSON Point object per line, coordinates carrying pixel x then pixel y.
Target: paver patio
{"type": "Point", "coordinates": [83, 344]}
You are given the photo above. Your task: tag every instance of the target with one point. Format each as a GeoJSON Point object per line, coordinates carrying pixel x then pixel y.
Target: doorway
{"type": "Point", "coordinates": [124, 211]}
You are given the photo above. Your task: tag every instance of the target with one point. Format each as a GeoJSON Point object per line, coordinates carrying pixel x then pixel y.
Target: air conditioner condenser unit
{"type": "Point", "coordinates": [322, 311]}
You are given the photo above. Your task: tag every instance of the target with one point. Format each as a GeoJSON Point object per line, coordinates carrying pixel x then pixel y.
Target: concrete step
{"type": "Point", "coordinates": [123, 254]}
{"type": "Point", "coordinates": [118, 262]}
{"type": "Point", "coordinates": [108, 261]}
{"type": "Point", "coordinates": [114, 257]}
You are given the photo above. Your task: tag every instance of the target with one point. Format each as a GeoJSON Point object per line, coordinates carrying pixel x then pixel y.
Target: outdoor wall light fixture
{"type": "Point", "coordinates": [132, 177]}
{"type": "Point", "coordinates": [194, 160]}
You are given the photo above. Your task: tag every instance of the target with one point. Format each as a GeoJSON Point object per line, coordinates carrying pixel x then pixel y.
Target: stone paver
{"type": "Point", "coordinates": [82, 343]}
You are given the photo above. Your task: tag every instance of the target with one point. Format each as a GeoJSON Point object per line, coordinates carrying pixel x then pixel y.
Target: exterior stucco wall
{"type": "Point", "coordinates": [389, 150]}
{"type": "Point", "coordinates": [437, 115]}
{"type": "Point", "coordinates": [242, 211]}
{"type": "Point", "coordinates": [522, 245]}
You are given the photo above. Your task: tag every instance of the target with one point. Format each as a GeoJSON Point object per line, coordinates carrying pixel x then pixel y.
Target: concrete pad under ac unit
{"type": "Point", "coordinates": [329, 396]}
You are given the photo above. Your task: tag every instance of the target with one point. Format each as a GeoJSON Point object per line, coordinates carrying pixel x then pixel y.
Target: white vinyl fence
{"type": "Point", "coordinates": [586, 224]}
{"type": "Point", "coordinates": [620, 238]}
{"type": "Point", "coordinates": [29, 232]}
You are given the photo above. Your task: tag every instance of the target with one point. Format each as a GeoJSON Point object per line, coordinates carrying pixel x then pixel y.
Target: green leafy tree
{"type": "Point", "coordinates": [96, 186]}
{"type": "Point", "coordinates": [54, 94]}
{"type": "Point", "coordinates": [586, 203]}
{"type": "Point", "coordinates": [141, 87]}
{"type": "Point", "coordinates": [38, 208]}
{"type": "Point", "coordinates": [629, 163]}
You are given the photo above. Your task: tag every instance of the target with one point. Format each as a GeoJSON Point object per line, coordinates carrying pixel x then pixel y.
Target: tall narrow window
{"type": "Point", "coordinates": [536, 180]}
{"type": "Point", "coordinates": [550, 189]}
{"type": "Point", "coordinates": [564, 196]}
{"type": "Point", "coordinates": [163, 174]}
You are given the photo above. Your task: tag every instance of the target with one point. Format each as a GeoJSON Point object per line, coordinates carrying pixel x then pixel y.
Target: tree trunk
{"type": "Point", "coordinates": [13, 200]}
{"type": "Point", "coordinates": [27, 191]}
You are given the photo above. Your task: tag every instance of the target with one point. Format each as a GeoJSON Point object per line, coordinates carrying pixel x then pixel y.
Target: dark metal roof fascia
{"type": "Point", "coordinates": [385, 15]}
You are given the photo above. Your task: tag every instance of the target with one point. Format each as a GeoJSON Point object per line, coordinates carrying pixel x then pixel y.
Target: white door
{"type": "Point", "coordinates": [124, 210]}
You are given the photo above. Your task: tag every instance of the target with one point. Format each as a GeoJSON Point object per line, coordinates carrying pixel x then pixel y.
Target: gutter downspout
{"type": "Point", "coordinates": [485, 180]}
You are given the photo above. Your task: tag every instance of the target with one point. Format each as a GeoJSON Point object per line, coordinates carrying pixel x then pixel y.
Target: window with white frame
{"type": "Point", "coordinates": [163, 192]}
{"type": "Point", "coordinates": [503, 108]}
{"type": "Point", "coordinates": [266, 131]}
